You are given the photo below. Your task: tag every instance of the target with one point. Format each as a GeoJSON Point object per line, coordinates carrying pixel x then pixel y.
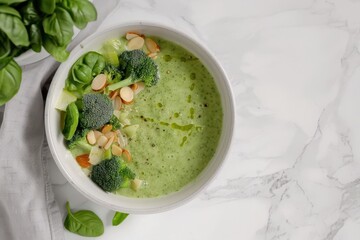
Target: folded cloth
{"type": "Point", "coordinates": [27, 206]}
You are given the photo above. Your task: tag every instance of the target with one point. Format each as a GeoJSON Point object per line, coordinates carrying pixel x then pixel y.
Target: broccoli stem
{"type": "Point", "coordinates": [123, 83]}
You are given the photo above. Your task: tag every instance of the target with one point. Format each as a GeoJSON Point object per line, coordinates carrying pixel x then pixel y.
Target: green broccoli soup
{"type": "Point", "coordinates": [142, 116]}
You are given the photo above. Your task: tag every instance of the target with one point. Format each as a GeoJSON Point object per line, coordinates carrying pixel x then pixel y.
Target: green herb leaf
{"type": "Point", "coordinates": [59, 26]}
{"type": "Point", "coordinates": [81, 11]}
{"type": "Point", "coordinates": [84, 70]}
{"type": "Point", "coordinates": [84, 223]}
{"type": "Point", "coordinates": [46, 6]}
{"type": "Point", "coordinates": [10, 79]}
{"type": "Point", "coordinates": [9, 10]}
{"type": "Point", "coordinates": [35, 37]}
{"type": "Point", "coordinates": [71, 121]}
{"type": "Point", "coordinates": [5, 46]}
{"type": "Point", "coordinates": [9, 2]}
{"type": "Point", "coordinates": [118, 218]}
{"type": "Point", "coordinates": [58, 52]}
{"type": "Point", "coordinates": [13, 27]}
{"type": "Point", "coordinates": [30, 14]}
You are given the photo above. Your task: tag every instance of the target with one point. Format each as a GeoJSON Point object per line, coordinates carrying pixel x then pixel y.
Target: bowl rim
{"type": "Point", "coordinates": [229, 138]}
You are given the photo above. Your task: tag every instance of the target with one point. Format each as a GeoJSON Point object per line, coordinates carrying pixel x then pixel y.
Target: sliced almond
{"type": "Point", "coordinates": [99, 82]}
{"type": "Point", "coordinates": [127, 155]}
{"type": "Point", "coordinates": [135, 43]}
{"type": "Point", "coordinates": [102, 141]}
{"type": "Point", "coordinates": [134, 86]}
{"type": "Point", "coordinates": [97, 134]}
{"type": "Point", "coordinates": [152, 55]}
{"type": "Point", "coordinates": [113, 94]}
{"type": "Point", "coordinates": [117, 103]}
{"type": "Point", "coordinates": [107, 128]}
{"type": "Point", "coordinates": [116, 150]}
{"type": "Point", "coordinates": [109, 134]}
{"type": "Point", "coordinates": [131, 35]}
{"type": "Point", "coordinates": [126, 94]}
{"type": "Point", "coordinates": [151, 45]}
{"type": "Point", "coordinates": [122, 140]}
{"type": "Point", "coordinates": [127, 103]}
{"type": "Point", "coordinates": [90, 137]}
{"type": "Point", "coordinates": [108, 144]}
{"type": "Point", "coordinates": [140, 87]}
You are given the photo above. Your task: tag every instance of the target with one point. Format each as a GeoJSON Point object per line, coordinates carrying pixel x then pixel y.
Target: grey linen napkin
{"type": "Point", "coordinates": [27, 206]}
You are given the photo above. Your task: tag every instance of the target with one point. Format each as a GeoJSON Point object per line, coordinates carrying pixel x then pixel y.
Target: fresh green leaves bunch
{"type": "Point", "coordinates": [33, 24]}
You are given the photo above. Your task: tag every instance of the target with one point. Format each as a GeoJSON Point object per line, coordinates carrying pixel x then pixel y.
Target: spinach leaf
{"type": "Point", "coordinates": [9, 2]}
{"type": "Point", "coordinates": [13, 27]}
{"type": "Point", "coordinates": [35, 37]}
{"type": "Point", "coordinates": [81, 11]}
{"type": "Point", "coordinates": [58, 52]}
{"type": "Point", "coordinates": [10, 79]}
{"type": "Point", "coordinates": [118, 218]}
{"type": "Point", "coordinates": [46, 6]}
{"type": "Point", "coordinates": [30, 14]}
{"type": "Point", "coordinates": [59, 26]}
{"type": "Point", "coordinates": [84, 223]}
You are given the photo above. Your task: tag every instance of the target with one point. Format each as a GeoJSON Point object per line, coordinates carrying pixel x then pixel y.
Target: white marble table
{"type": "Point", "coordinates": [294, 169]}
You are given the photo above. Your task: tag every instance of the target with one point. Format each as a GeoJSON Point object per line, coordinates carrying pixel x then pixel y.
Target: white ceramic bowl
{"type": "Point", "coordinates": [69, 167]}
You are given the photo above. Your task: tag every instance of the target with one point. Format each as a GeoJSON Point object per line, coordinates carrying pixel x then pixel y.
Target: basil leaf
{"type": "Point", "coordinates": [13, 27]}
{"type": "Point", "coordinates": [9, 2]}
{"type": "Point", "coordinates": [7, 50]}
{"type": "Point", "coordinates": [9, 10]}
{"type": "Point", "coordinates": [84, 223]}
{"type": "Point", "coordinates": [118, 218]}
{"type": "Point", "coordinates": [35, 37]}
{"type": "Point", "coordinates": [5, 46]}
{"type": "Point", "coordinates": [81, 11]}
{"type": "Point", "coordinates": [95, 61]}
{"type": "Point", "coordinates": [58, 52]}
{"type": "Point", "coordinates": [46, 6]}
{"type": "Point", "coordinates": [30, 14]}
{"type": "Point", "coordinates": [86, 68]}
{"type": "Point", "coordinates": [82, 74]}
{"type": "Point", "coordinates": [59, 26]}
{"type": "Point", "coordinates": [10, 79]}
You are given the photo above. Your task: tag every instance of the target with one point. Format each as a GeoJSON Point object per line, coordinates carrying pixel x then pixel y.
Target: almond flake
{"type": "Point", "coordinates": [90, 137]}
{"type": "Point", "coordinates": [99, 82]}
{"type": "Point", "coordinates": [151, 45]}
{"type": "Point", "coordinates": [131, 35]}
{"type": "Point", "coordinates": [102, 141]}
{"type": "Point", "coordinates": [126, 94]}
{"type": "Point", "coordinates": [108, 144]}
{"type": "Point", "coordinates": [116, 150]}
{"type": "Point", "coordinates": [117, 103]}
{"type": "Point", "coordinates": [135, 43]}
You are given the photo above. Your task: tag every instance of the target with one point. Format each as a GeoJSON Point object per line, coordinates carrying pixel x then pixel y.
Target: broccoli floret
{"type": "Point", "coordinates": [79, 140]}
{"type": "Point", "coordinates": [112, 73]}
{"type": "Point", "coordinates": [115, 122]}
{"type": "Point", "coordinates": [111, 174]}
{"type": "Point", "coordinates": [95, 110]}
{"type": "Point", "coordinates": [137, 67]}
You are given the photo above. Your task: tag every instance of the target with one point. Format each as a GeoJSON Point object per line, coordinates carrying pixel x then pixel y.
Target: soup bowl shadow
{"type": "Point", "coordinates": [71, 170]}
